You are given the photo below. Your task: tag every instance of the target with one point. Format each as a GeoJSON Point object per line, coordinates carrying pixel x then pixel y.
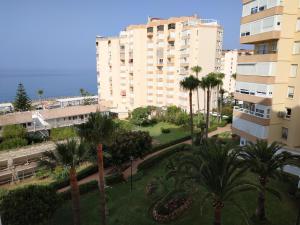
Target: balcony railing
{"type": "Point", "coordinates": [250, 112]}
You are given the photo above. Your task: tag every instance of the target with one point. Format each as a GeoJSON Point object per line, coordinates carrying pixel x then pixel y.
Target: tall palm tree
{"type": "Point", "coordinates": [197, 70]}
{"type": "Point", "coordinates": [222, 92]}
{"type": "Point", "coordinates": [68, 155]}
{"type": "Point", "coordinates": [40, 93]}
{"type": "Point", "coordinates": [209, 82]}
{"type": "Point", "coordinates": [190, 84]}
{"type": "Point", "coordinates": [220, 77]}
{"type": "Point", "coordinates": [265, 160]}
{"type": "Point", "coordinates": [217, 168]}
{"type": "Point", "coordinates": [98, 131]}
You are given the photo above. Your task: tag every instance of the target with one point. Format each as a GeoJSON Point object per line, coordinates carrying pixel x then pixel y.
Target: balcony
{"type": "Point", "coordinates": [260, 113]}
{"type": "Point", "coordinates": [258, 69]}
{"type": "Point", "coordinates": [260, 30]}
{"type": "Point", "coordinates": [253, 99]}
{"type": "Point", "coordinates": [255, 89]}
{"type": "Point", "coordinates": [254, 10]}
{"type": "Point", "coordinates": [258, 58]}
{"type": "Point", "coordinates": [243, 127]}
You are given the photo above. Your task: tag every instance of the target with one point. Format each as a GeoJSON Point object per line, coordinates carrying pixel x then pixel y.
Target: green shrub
{"type": "Point", "coordinates": [13, 143]}
{"type": "Point", "coordinates": [57, 134]}
{"type": "Point", "coordinates": [140, 116]}
{"type": "Point", "coordinates": [83, 189]}
{"type": "Point", "coordinates": [165, 130]}
{"type": "Point", "coordinates": [168, 144]}
{"type": "Point", "coordinates": [124, 125]}
{"type": "Point", "coordinates": [32, 205]}
{"type": "Point", "coordinates": [114, 179]}
{"type": "Point", "coordinates": [138, 176]}
{"type": "Point", "coordinates": [148, 163]}
{"type": "Point", "coordinates": [213, 128]}
{"type": "Point", "coordinates": [13, 131]}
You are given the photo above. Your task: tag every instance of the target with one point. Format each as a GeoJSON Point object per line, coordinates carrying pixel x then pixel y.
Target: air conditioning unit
{"type": "Point", "coordinates": [281, 114]}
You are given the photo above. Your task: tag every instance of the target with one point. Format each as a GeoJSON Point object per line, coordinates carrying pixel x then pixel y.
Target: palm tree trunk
{"type": "Point", "coordinates": [218, 104]}
{"type": "Point", "coordinates": [198, 103]}
{"type": "Point", "coordinates": [75, 196]}
{"type": "Point", "coordinates": [207, 111]}
{"type": "Point", "coordinates": [221, 105]}
{"type": "Point", "coordinates": [191, 115]}
{"type": "Point", "coordinates": [204, 103]}
{"type": "Point", "coordinates": [298, 217]}
{"type": "Point", "coordinates": [217, 215]}
{"type": "Point", "coordinates": [260, 210]}
{"type": "Point", "coordinates": [101, 185]}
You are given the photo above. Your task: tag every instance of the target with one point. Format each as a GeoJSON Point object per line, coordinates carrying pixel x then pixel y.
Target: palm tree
{"type": "Point", "coordinates": [68, 155]}
{"type": "Point", "coordinates": [220, 77]}
{"type": "Point", "coordinates": [98, 131]}
{"type": "Point", "coordinates": [217, 168]}
{"type": "Point", "coordinates": [222, 92]}
{"type": "Point", "coordinates": [233, 76]}
{"type": "Point", "coordinates": [265, 161]}
{"type": "Point", "coordinates": [197, 70]}
{"type": "Point", "coordinates": [209, 82]}
{"type": "Point", "coordinates": [40, 93]}
{"type": "Point", "coordinates": [190, 84]}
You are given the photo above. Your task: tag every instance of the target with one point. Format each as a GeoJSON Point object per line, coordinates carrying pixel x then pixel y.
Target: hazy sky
{"type": "Point", "coordinates": [60, 34]}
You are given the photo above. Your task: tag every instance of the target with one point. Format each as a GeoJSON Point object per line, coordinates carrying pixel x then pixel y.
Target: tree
{"type": "Point", "coordinates": [217, 168]}
{"type": "Point", "coordinates": [233, 76]}
{"type": "Point", "coordinates": [140, 116]}
{"type": "Point", "coordinates": [86, 94]}
{"type": "Point", "coordinates": [68, 155]}
{"type": "Point", "coordinates": [209, 82]}
{"type": "Point", "coordinates": [98, 130]}
{"type": "Point", "coordinates": [197, 70]}
{"type": "Point", "coordinates": [219, 77]}
{"type": "Point", "coordinates": [40, 93]}
{"type": "Point", "coordinates": [13, 131]}
{"type": "Point", "coordinates": [22, 101]}
{"type": "Point", "coordinates": [129, 144]}
{"type": "Point", "coordinates": [222, 92]}
{"type": "Point", "coordinates": [190, 84]}
{"type": "Point", "coordinates": [265, 160]}
{"type": "Point", "coordinates": [34, 205]}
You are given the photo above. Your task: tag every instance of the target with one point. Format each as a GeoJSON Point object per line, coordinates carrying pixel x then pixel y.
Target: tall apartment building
{"type": "Point", "coordinates": [145, 63]}
{"type": "Point", "coordinates": [268, 82]}
{"type": "Point", "coordinates": [229, 64]}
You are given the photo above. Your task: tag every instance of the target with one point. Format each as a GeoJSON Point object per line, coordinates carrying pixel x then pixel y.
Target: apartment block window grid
{"type": "Point", "coordinates": [291, 92]}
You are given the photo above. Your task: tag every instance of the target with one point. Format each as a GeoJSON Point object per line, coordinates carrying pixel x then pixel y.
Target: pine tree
{"type": "Point", "coordinates": [22, 101]}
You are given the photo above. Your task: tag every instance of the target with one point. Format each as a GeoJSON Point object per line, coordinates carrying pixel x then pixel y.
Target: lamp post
{"type": "Point", "coordinates": [131, 160]}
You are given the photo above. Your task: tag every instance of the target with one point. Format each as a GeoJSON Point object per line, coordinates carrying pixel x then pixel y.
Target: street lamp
{"type": "Point", "coordinates": [131, 160]}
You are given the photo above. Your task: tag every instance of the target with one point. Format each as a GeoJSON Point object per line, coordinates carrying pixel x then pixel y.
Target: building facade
{"type": "Point", "coordinates": [229, 64]}
{"type": "Point", "coordinates": [268, 82]}
{"type": "Point", "coordinates": [145, 63]}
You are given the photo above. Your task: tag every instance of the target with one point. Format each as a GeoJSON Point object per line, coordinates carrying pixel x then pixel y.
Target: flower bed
{"type": "Point", "coordinates": [164, 212]}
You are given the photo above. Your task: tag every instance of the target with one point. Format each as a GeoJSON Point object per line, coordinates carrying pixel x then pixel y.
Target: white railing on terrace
{"type": "Point", "coordinates": [253, 113]}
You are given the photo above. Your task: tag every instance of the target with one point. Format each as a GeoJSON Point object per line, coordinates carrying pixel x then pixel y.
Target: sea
{"type": "Point", "coordinates": [54, 83]}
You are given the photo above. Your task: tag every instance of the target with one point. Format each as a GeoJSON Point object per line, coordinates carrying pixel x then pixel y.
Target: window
{"type": "Point", "coordinates": [291, 91]}
{"type": "Point", "coordinates": [150, 30]}
{"type": "Point", "coordinates": [254, 10]}
{"type": "Point", "coordinates": [284, 133]}
{"type": "Point", "coordinates": [288, 113]}
{"type": "Point", "coordinates": [171, 26]}
{"type": "Point", "coordinates": [160, 28]}
{"type": "Point", "coordinates": [296, 47]}
{"type": "Point", "coordinates": [294, 70]}
{"type": "Point", "coordinates": [298, 25]}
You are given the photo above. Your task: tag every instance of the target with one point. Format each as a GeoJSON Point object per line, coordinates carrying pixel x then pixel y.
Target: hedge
{"type": "Point", "coordinates": [168, 144]}
{"type": "Point", "coordinates": [90, 170]}
{"type": "Point", "coordinates": [83, 189]}
{"type": "Point", "coordinates": [148, 163]}
{"type": "Point", "coordinates": [114, 179]}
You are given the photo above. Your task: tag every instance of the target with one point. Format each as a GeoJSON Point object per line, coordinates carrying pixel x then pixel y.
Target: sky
{"type": "Point", "coordinates": [60, 34]}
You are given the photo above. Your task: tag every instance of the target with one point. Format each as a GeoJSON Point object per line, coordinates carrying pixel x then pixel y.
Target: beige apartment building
{"type": "Point", "coordinates": [145, 63]}
{"type": "Point", "coordinates": [268, 82]}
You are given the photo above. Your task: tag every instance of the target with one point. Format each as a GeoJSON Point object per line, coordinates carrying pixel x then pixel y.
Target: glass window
{"type": "Point", "coordinates": [296, 47]}
{"type": "Point", "coordinates": [288, 113]}
{"type": "Point", "coordinates": [160, 28]}
{"type": "Point", "coordinates": [171, 26]}
{"type": "Point", "coordinates": [149, 29]}
{"type": "Point", "coordinates": [294, 70]}
{"type": "Point", "coordinates": [291, 91]}
{"type": "Point", "coordinates": [298, 25]}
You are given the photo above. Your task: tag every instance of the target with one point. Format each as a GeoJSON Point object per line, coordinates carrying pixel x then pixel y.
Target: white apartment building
{"type": "Point", "coordinates": [145, 63]}
{"type": "Point", "coordinates": [229, 64]}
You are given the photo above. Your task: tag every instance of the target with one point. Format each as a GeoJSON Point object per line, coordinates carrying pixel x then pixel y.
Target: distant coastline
{"type": "Point", "coordinates": [59, 83]}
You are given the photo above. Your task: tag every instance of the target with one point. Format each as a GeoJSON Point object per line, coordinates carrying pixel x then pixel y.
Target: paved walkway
{"type": "Point", "coordinates": [135, 163]}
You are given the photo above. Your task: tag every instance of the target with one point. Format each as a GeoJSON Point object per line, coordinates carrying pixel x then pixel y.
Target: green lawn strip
{"type": "Point", "coordinates": [126, 208]}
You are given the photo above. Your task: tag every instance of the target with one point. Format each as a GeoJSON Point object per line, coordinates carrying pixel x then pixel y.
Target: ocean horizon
{"type": "Point", "coordinates": [54, 83]}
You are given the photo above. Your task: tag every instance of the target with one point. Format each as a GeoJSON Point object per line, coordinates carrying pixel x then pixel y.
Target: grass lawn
{"type": "Point", "coordinates": [126, 208]}
{"type": "Point", "coordinates": [161, 138]}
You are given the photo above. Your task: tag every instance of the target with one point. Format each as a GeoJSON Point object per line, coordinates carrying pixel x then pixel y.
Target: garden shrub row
{"type": "Point", "coordinates": [114, 179]}
{"type": "Point", "coordinates": [80, 175]}
{"type": "Point", "coordinates": [168, 144]}
{"type": "Point", "coordinates": [148, 163]}
{"type": "Point", "coordinates": [83, 189]}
